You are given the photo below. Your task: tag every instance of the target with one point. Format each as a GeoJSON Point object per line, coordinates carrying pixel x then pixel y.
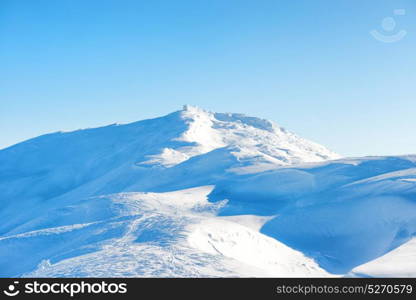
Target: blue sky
{"type": "Point", "coordinates": [311, 66]}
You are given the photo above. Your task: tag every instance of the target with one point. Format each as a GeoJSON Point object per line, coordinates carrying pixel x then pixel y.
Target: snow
{"type": "Point", "coordinates": [401, 262]}
{"type": "Point", "coordinates": [187, 148]}
{"type": "Point", "coordinates": [165, 234]}
{"type": "Point", "coordinates": [233, 240]}
{"type": "Point", "coordinates": [249, 139]}
{"type": "Point", "coordinates": [251, 221]}
{"type": "Point", "coordinates": [197, 193]}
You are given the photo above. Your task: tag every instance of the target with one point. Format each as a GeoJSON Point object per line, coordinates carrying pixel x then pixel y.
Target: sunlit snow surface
{"type": "Point", "coordinates": [175, 234]}
{"type": "Point", "coordinates": [196, 194]}
{"type": "Point", "coordinates": [400, 262]}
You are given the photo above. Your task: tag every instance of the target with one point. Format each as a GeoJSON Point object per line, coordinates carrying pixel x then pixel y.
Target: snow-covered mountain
{"type": "Point", "coordinates": [187, 148]}
{"type": "Point", "coordinates": [197, 193]}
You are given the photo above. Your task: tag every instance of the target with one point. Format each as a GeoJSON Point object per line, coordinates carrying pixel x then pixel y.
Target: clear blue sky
{"type": "Point", "coordinates": [312, 66]}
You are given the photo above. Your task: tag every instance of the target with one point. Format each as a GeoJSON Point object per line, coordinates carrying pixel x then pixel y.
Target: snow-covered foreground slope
{"type": "Point", "coordinates": [228, 239]}
{"type": "Point", "coordinates": [133, 200]}
{"type": "Point", "coordinates": [151, 234]}
{"type": "Point", "coordinates": [400, 262]}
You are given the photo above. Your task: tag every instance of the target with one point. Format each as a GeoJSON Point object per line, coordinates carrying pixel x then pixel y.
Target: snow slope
{"type": "Point", "coordinates": [197, 193]}
{"type": "Point", "coordinates": [151, 234]}
{"type": "Point", "coordinates": [401, 262]}
{"type": "Point", "coordinates": [346, 213]}
{"type": "Point", "coordinates": [228, 239]}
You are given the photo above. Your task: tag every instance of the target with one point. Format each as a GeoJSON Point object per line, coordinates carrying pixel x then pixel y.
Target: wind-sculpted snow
{"type": "Point", "coordinates": [197, 193]}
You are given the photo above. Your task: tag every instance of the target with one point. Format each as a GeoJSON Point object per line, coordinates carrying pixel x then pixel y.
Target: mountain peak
{"type": "Point", "coordinates": [192, 111]}
{"type": "Point", "coordinates": [256, 144]}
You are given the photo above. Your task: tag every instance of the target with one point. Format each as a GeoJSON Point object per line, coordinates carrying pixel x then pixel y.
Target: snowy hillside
{"type": "Point", "coordinates": [400, 262]}
{"type": "Point", "coordinates": [197, 193]}
{"type": "Point", "coordinates": [168, 234]}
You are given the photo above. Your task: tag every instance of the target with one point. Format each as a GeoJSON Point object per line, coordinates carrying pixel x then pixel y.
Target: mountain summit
{"type": "Point", "coordinates": [127, 155]}
{"type": "Point", "coordinates": [256, 143]}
